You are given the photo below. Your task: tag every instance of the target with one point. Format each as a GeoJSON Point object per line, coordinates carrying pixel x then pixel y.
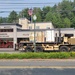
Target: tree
{"type": "Point", "coordinates": [67, 22]}
{"type": "Point", "coordinates": [12, 17]}
{"type": "Point", "coordinates": [55, 18]}
{"type": "Point", "coordinates": [37, 12]}
{"type": "Point", "coordinates": [73, 22]}
{"type": "Point", "coordinates": [57, 21]}
{"type": "Point", "coordinates": [1, 20]}
{"type": "Point", "coordinates": [24, 14]}
{"type": "Point", "coordinates": [45, 10]}
{"type": "Point", "coordinates": [66, 7]}
{"type": "Point", "coordinates": [49, 16]}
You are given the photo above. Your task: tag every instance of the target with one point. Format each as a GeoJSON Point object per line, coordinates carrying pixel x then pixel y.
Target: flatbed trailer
{"type": "Point", "coordinates": [40, 47]}
{"type": "Point", "coordinates": [54, 43]}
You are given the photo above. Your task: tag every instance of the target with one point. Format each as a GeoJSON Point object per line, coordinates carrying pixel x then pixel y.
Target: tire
{"type": "Point", "coordinates": [72, 48]}
{"type": "Point", "coordinates": [39, 49]}
{"type": "Point", "coordinates": [64, 49]}
{"type": "Point", "coordinates": [28, 49]}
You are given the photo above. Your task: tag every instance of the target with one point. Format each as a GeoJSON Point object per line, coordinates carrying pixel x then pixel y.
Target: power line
{"type": "Point", "coordinates": [56, 11]}
{"type": "Point", "coordinates": [16, 4]}
{"type": "Point", "coordinates": [24, 5]}
{"type": "Point", "coordinates": [21, 7]}
{"type": "Point", "coordinates": [11, 8]}
{"type": "Point", "coordinates": [7, 11]}
{"type": "Point", "coordinates": [30, 3]}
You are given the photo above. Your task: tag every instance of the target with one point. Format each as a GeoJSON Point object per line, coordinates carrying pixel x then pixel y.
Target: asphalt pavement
{"type": "Point", "coordinates": [36, 71]}
{"type": "Point", "coordinates": [34, 63]}
{"type": "Point", "coordinates": [37, 67]}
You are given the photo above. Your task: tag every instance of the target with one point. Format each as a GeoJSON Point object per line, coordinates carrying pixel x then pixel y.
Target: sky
{"type": "Point", "coordinates": [9, 5]}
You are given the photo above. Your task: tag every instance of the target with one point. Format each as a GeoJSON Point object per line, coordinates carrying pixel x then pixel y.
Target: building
{"type": "Point", "coordinates": [11, 33]}
{"type": "Point", "coordinates": [26, 24]}
{"type": "Point", "coordinates": [8, 35]}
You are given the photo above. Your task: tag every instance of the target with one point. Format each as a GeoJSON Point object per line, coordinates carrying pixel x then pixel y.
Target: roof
{"type": "Point", "coordinates": [38, 22]}
{"type": "Point", "coordinates": [62, 29]}
{"type": "Point", "coordinates": [33, 29]}
{"type": "Point", "coordinates": [11, 24]}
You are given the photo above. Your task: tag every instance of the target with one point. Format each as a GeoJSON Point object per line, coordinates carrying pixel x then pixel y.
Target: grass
{"type": "Point", "coordinates": [41, 55]}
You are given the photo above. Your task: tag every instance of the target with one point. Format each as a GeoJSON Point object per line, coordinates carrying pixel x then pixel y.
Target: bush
{"type": "Point", "coordinates": [72, 54]}
{"type": "Point", "coordinates": [41, 55]}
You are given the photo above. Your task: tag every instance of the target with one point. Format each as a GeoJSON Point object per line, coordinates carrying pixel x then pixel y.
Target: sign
{"type": "Point", "coordinates": [22, 35]}
{"type": "Point", "coordinates": [6, 35]}
{"type": "Point", "coordinates": [5, 27]}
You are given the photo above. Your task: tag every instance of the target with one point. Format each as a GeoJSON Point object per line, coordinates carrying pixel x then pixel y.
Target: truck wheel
{"type": "Point", "coordinates": [64, 49]}
{"type": "Point", "coordinates": [28, 49]}
{"type": "Point", "coordinates": [72, 48]}
{"type": "Point", "coordinates": [39, 49]}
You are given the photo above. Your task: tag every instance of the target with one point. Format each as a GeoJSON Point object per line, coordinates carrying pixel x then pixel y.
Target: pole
{"type": "Point", "coordinates": [34, 18]}
{"type": "Point", "coordinates": [30, 18]}
{"type": "Point", "coordinates": [34, 37]}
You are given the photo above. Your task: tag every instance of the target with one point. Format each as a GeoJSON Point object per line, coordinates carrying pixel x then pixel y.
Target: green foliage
{"type": "Point", "coordinates": [38, 13]}
{"type": "Point", "coordinates": [49, 16]}
{"type": "Point", "coordinates": [73, 22]}
{"type": "Point", "coordinates": [24, 14]}
{"type": "Point", "coordinates": [67, 22]}
{"type": "Point", "coordinates": [41, 55]}
{"type": "Point", "coordinates": [1, 20]}
{"type": "Point", "coordinates": [72, 54]}
{"type": "Point", "coordinates": [45, 10]}
{"type": "Point", "coordinates": [12, 17]}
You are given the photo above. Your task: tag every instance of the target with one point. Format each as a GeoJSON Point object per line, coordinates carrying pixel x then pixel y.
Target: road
{"type": "Point", "coordinates": [37, 71]}
{"type": "Point", "coordinates": [38, 63]}
{"type": "Point", "coordinates": [37, 67]}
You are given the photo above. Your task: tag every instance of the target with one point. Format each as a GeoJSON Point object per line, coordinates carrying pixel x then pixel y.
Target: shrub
{"type": "Point", "coordinates": [72, 54]}
{"type": "Point", "coordinates": [40, 55]}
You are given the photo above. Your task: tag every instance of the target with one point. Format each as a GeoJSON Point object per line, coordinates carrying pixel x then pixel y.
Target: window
{"type": "Point", "coordinates": [30, 27]}
{"type": "Point", "coordinates": [6, 30]}
{"type": "Point", "coordinates": [37, 27]}
{"type": "Point", "coordinates": [48, 27]}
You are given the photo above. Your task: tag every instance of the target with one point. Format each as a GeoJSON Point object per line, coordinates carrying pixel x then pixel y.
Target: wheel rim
{"type": "Point", "coordinates": [64, 48]}
{"type": "Point", "coordinates": [29, 49]}
{"type": "Point", "coordinates": [39, 49]}
{"type": "Point", "coordinates": [73, 48]}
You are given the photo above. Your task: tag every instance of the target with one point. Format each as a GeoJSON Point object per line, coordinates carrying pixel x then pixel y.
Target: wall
{"type": "Point", "coordinates": [24, 23]}
{"type": "Point", "coordinates": [42, 25]}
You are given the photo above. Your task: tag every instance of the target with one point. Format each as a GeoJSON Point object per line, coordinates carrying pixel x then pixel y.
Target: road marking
{"type": "Point", "coordinates": [56, 67]}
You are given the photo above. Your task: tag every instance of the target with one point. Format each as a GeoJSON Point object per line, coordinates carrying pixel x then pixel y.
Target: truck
{"type": "Point", "coordinates": [50, 40]}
